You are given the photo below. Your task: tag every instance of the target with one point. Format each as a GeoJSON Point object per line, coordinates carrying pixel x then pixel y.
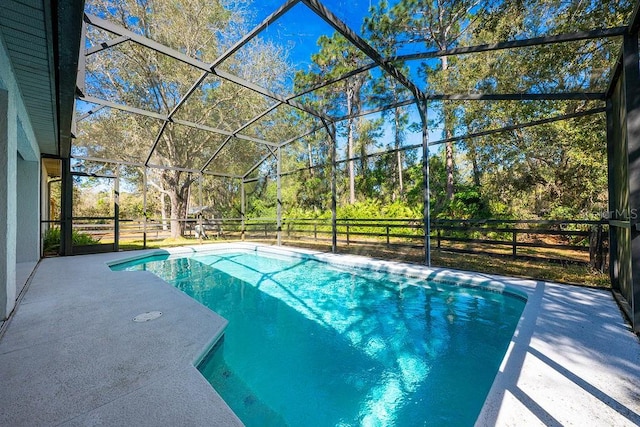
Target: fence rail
{"type": "Point", "coordinates": [552, 240]}
{"type": "Point", "coordinates": [570, 241]}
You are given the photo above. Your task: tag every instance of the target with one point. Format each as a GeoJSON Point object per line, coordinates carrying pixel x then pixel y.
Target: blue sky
{"type": "Point", "coordinates": [350, 11]}
{"type": "Point", "coordinates": [300, 28]}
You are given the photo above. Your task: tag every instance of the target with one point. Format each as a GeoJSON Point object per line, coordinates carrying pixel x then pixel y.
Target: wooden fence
{"type": "Point", "coordinates": [566, 241]}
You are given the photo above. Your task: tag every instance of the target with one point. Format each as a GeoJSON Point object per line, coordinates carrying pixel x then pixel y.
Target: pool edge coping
{"type": "Point", "coordinates": [451, 277]}
{"type": "Point", "coordinates": [443, 275]}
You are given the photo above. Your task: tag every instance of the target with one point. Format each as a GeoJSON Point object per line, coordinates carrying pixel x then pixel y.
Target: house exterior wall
{"type": "Point", "coordinates": [8, 152]}
{"type": "Point", "coordinates": [28, 206]}
{"type": "Point", "coordinates": [19, 185]}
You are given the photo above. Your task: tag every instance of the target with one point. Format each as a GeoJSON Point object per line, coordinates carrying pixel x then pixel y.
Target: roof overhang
{"type": "Point", "coordinates": [43, 40]}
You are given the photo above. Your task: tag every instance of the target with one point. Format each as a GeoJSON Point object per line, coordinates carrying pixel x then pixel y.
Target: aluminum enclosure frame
{"type": "Point", "coordinates": [623, 152]}
{"type": "Point", "coordinates": [418, 97]}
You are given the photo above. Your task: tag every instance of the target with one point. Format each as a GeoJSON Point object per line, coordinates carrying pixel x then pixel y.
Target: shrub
{"type": "Point", "coordinates": [51, 240]}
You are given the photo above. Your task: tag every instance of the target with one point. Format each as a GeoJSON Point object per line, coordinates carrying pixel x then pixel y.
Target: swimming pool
{"type": "Point", "coordinates": [314, 344]}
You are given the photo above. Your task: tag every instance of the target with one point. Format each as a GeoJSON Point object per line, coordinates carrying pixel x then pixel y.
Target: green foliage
{"type": "Point", "coordinates": [401, 210]}
{"type": "Point", "coordinates": [499, 210]}
{"type": "Point", "coordinates": [367, 209]}
{"type": "Point", "coordinates": [468, 203]}
{"type": "Point", "coordinates": [370, 208]}
{"type": "Point", "coordinates": [312, 194]}
{"type": "Point", "coordinates": [264, 206]}
{"type": "Point", "coordinates": [51, 240]}
{"type": "Point", "coordinates": [131, 206]}
{"type": "Point", "coordinates": [80, 239]}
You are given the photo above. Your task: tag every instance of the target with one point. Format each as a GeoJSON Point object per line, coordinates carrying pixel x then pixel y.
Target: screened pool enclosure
{"type": "Point", "coordinates": [200, 130]}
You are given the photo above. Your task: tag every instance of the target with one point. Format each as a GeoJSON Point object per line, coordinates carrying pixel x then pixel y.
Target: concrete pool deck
{"type": "Point", "coordinates": [71, 354]}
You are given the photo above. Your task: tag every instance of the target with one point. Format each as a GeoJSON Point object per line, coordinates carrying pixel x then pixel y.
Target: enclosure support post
{"type": "Point", "coordinates": [334, 196]}
{"type": "Point", "coordinates": [243, 209]}
{"type": "Point", "coordinates": [201, 208]}
{"type": "Point", "coordinates": [631, 58]}
{"type": "Point", "coordinates": [116, 211]}
{"type": "Point", "coordinates": [422, 109]}
{"type": "Point", "coordinates": [144, 209]}
{"type": "Point", "coordinates": [614, 266]}
{"type": "Point", "coordinates": [66, 225]}
{"type": "Point", "coordinates": [331, 130]}
{"type": "Point", "coordinates": [279, 197]}
{"type": "Point", "coordinates": [82, 62]}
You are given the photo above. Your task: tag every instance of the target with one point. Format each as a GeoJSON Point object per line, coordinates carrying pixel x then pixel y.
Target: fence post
{"type": "Point", "coordinates": [144, 209]}
{"type": "Point", "coordinates": [265, 229]}
{"type": "Point", "coordinates": [347, 234]}
{"type": "Point", "coordinates": [315, 231]}
{"type": "Point", "coordinates": [438, 234]}
{"type": "Point", "coordinates": [596, 248]}
{"type": "Point", "coordinates": [514, 243]}
{"type": "Point", "coordinates": [387, 236]}
{"type": "Point", "coordinates": [243, 211]}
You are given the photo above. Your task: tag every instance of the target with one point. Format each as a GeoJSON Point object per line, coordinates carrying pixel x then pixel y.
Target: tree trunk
{"type": "Point", "coordinates": [400, 180]}
{"type": "Point", "coordinates": [364, 168]}
{"type": "Point", "coordinates": [178, 211]}
{"type": "Point", "coordinates": [474, 164]}
{"type": "Point", "coordinates": [398, 154]}
{"type": "Point", "coordinates": [449, 166]}
{"type": "Point", "coordinates": [311, 171]}
{"type": "Point", "coordinates": [448, 133]}
{"type": "Point", "coordinates": [352, 177]}
{"type": "Point", "coordinates": [177, 192]}
{"type": "Point", "coordinates": [163, 211]}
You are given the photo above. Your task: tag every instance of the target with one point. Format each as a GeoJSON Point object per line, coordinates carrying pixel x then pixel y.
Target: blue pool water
{"type": "Point", "coordinates": [309, 344]}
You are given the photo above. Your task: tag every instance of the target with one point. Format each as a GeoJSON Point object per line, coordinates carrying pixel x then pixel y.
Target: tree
{"type": "Point", "coordinates": [336, 57]}
{"type": "Point", "coordinates": [139, 77]}
{"type": "Point", "coordinates": [382, 28]}
{"type": "Point", "coordinates": [548, 170]}
{"type": "Point", "coordinates": [439, 25]}
{"type": "Point", "coordinates": [552, 170]}
{"type": "Point", "coordinates": [368, 133]}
